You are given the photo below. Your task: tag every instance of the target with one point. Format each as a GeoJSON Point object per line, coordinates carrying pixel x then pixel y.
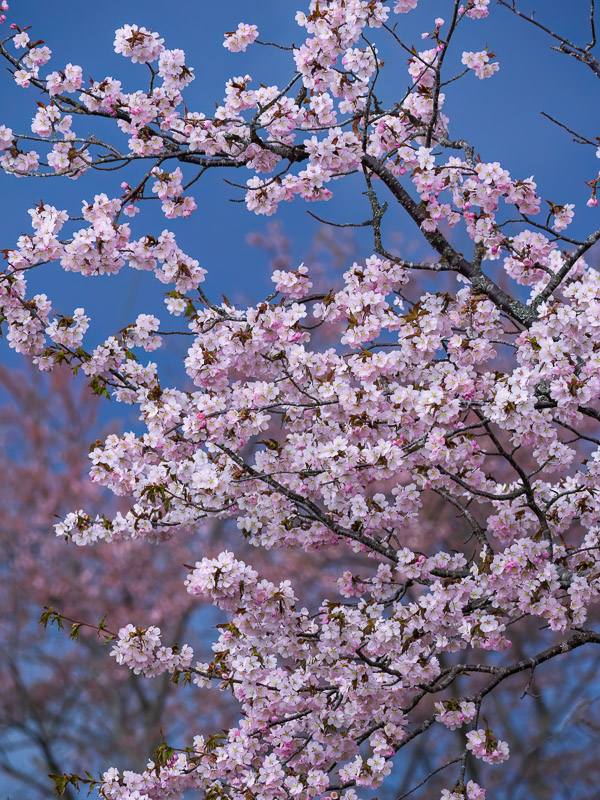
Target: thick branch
{"type": "Point", "coordinates": [480, 282]}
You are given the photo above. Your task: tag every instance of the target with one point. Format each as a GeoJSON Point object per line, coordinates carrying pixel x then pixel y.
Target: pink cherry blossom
{"type": "Point", "coordinates": [328, 419]}
{"type": "Point", "coordinates": [238, 40]}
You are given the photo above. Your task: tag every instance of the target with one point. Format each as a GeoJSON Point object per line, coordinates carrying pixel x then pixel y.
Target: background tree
{"type": "Point", "coordinates": [71, 704]}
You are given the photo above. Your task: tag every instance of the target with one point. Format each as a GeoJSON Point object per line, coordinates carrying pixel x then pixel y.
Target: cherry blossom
{"type": "Point", "coordinates": [485, 746]}
{"type": "Point", "coordinates": [138, 44]}
{"type": "Point", "coordinates": [238, 40]}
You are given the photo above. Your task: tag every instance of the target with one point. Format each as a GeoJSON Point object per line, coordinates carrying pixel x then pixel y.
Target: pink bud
{"type": "Point", "coordinates": [592, 202]}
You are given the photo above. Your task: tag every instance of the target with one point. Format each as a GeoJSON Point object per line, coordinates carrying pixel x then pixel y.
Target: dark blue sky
{"type": "Point", "coordinates": [500, 116]}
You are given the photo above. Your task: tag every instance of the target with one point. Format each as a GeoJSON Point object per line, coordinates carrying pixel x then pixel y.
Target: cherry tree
{"type": "Point", "coordinates": [327, 420]}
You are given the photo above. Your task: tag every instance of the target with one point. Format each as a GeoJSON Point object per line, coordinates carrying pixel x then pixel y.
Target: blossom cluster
{"type": "Point", "coordinates": [141, 650]}
{"type": "Point", "coordinates": [237, 41]}
{"type": "Point", "coordinates": [138, 44]}
{"type": "Point", "coordinates": [484, 745]}
{"type": "Point", "coordinates": [454, 714]}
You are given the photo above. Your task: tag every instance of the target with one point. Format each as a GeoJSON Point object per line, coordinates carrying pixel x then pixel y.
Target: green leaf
{"type": "Point", "coordinates": [75, 628]}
